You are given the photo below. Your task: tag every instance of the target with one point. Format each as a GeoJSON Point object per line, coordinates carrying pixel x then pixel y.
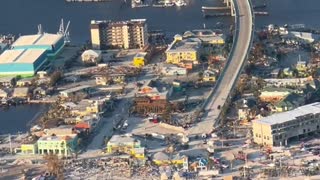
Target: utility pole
{"type": "Point", "coordinates": [10, 144]}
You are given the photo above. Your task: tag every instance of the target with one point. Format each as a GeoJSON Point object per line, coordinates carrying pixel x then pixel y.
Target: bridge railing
{"type": "Point", "coordinates": [226, 65]}
{"type": "Point", "coordinates": [247, 53]}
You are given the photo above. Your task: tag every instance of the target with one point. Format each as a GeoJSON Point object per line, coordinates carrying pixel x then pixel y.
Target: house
{"type": "Point", "coordinates": [24, 82]}
{"type": "Point", "coordinates": [91, 56]}
{"type": "Point", "coordinates": [244, 108]}
{"type": "Point", "coordinates": [155, 90]}
{"type": "Point", "coordinates": [296, 82]}
{"type": "Point", "coordinates": [40, 91]}
{"type": "Point", "coordinates": [102, 80]}
{"type": "Point", "coordinates": [87, 123]}
{"type": "Point", "coordinates": [140, 59]}
{"type": "Point", "coordinates": [7, 81]}
{"type": "Point", "coordinates": [161, 158]}
{"type": "Point", "coordinates": [209, 76]}
{"type": "Point", "coordinates": [275, 73]}
{"type": "Point", "coordinates": [31, 148]}
{"type": "Point", "coordinates": [288, 72]}
{"type": "Point", "coordinates": [270, 94]}
{"type": "Point", "coordinates": [172, 70]}
{"type": "Point", "coordinates": [290, 102]}
{"type": "Point", "coordinates": [72, 91]}
{"type": "Point", "coordinates": [122, 143]}
{"type": "Point", "coordinates": [21, 92]}
{"type": "Point", "coordinates": [206, 36]}
{"type": "Point", "coordinates": [200, 165]}
{"type": "Point", "coordinates": [301, 66]}
{"type": "Point", "coordinates": [111, 78]}
{"type": "Point", "coordinates": [3, 94]}
{"type": "Point", "coordinates": [84, 107]}
{"type": "Point", "coordinates": [63, 145]}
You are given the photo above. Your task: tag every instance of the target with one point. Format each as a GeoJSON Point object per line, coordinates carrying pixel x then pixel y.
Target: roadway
{"type": "Point", "coordinates": [228, 78]}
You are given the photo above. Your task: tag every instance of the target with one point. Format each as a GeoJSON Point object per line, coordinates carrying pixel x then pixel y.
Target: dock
{"type": "Point", "coordinates": [213, 14]}
{"type": "Point", "coordinates": [261, 13]}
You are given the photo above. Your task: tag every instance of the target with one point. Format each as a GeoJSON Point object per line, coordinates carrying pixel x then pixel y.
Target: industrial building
{"type": "Point", "coordinates": [29, 53]}
{"type": "Point", "coordinates": [52, 43]}
{"type": "Point", "coordinates": [23, 62]}
{"type": "Point", "coordinates": [277, 129]}
{"type": "Point", "coordinates": [120, 34]}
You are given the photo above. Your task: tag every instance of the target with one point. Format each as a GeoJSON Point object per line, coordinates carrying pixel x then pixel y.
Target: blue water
{"type": "Point", "coordinates": [19, 118]}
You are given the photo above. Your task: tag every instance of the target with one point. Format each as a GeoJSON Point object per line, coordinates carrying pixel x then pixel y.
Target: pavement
{"type": "Point", "coordinates": [237, 57]}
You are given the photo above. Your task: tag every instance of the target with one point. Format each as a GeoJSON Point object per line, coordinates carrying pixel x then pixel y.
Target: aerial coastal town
{"type": "Point", "coordinates": [238, 102]}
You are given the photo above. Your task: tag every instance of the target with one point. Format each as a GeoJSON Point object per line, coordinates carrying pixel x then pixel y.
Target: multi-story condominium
{"type": "Point", "coordinates": [278, 129]}
{"type": "Point", "coordinates": [121, 34]}
{"type": "Point", "coordinates": [183, 50]}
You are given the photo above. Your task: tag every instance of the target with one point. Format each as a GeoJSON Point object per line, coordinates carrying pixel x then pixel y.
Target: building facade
{"type": "Point", "coordinates": [277, 129]}
{"type": "Point", "coordinates": [60, 145]}
{"type": "Point", "coordinates": [181, 50]}
{"type": "Point", "coordinates": [130, 34]}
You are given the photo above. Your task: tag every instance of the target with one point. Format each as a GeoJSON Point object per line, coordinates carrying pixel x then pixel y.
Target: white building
{"type": "Point", "coordinates": [91, 56]}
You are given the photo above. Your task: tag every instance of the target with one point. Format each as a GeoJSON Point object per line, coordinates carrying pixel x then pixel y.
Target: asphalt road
{"type": "Point", "coordinates": [237, 57]}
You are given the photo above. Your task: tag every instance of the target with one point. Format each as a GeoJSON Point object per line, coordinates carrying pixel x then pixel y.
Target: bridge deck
{"type": "Point", "coordinates": [236, 59]}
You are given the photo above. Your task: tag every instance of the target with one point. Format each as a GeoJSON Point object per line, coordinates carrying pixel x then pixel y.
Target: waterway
{"type": "Point", "coordinates": [22, 17]}
{"type": "Point", "coordinates": [19, 118]}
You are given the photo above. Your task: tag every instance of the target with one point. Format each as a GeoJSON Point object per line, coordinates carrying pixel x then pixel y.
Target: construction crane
{"type": "Point", "coordinates": [64, 31]}
{"type": "Point", "coordinates": [40, 30]}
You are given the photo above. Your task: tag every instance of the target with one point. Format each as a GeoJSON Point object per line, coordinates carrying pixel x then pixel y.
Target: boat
{"type": "Point", "coordinates": [180, 3]}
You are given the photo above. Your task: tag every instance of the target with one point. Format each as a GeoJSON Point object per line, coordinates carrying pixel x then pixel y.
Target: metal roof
{"type": "Point", "coordinates": [279, 118]}
{"type": "Point", "coordinates": [38, 39]}
{"type": "Point", "coordinates": [21, 56]}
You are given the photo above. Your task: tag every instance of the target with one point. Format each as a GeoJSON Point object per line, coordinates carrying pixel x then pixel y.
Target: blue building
{"type": "Point", "coordinates": [29, 53]}
{"type": "Point", "coordinates": [23, 62]}
{"type": "Point", "coordinates": [52, 43]}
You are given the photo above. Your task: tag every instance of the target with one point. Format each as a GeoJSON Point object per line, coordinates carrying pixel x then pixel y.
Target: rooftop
{"type": "Point", "coordinates": [191, 44]}
{"type": "Point", "coordinates": [140, 21]}
{"type": "Point", "coordinates": [38, 39]}
{"type": "Point", "coordinates": [21, 56]}
{"type": "Point", "coordinates": [121, 139]}
{"type": "Point", "coordinates": [140, 54]}
{"type": "Point", "coordinates": [290, 115]}
{"type": "Point", "coordinates": [75, 89]}
{"type": "Point", "coordinates": [57, 138]}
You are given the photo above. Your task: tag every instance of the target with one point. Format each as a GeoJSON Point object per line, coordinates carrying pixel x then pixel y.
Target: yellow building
{"type": "Point", "coordinates": [139, 153]}
{"type": "Point", "coordinates": [209, 76]}
{"type": "Point", "coordinates": [161, 158]}
{"type": "Point", "coordinates": [140, 59]}
{"type": "Point", "coordinates": [280, 128]}
{"type": "Point", "coordinates": [24, 82]}
{"type": "Point", "coordinates": [27, 148]}
{"type": "Point", "coordinates": [125, 144]}
{"type": "Point", "coordinates": [60, 145]}
{"type": "Point", "coordinates": [183, 50]}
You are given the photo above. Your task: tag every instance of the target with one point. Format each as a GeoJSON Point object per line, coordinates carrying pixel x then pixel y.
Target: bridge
{"type": "Point", "coordinates": [220, 96]}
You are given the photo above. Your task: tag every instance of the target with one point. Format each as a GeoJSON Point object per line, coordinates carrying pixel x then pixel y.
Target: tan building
{"type": "Point", "coordinates": [278, 129]}
{"type": "Point", "coordinates": [271, 94]}
{"type": "Point", "coordinates": [121, 34]}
